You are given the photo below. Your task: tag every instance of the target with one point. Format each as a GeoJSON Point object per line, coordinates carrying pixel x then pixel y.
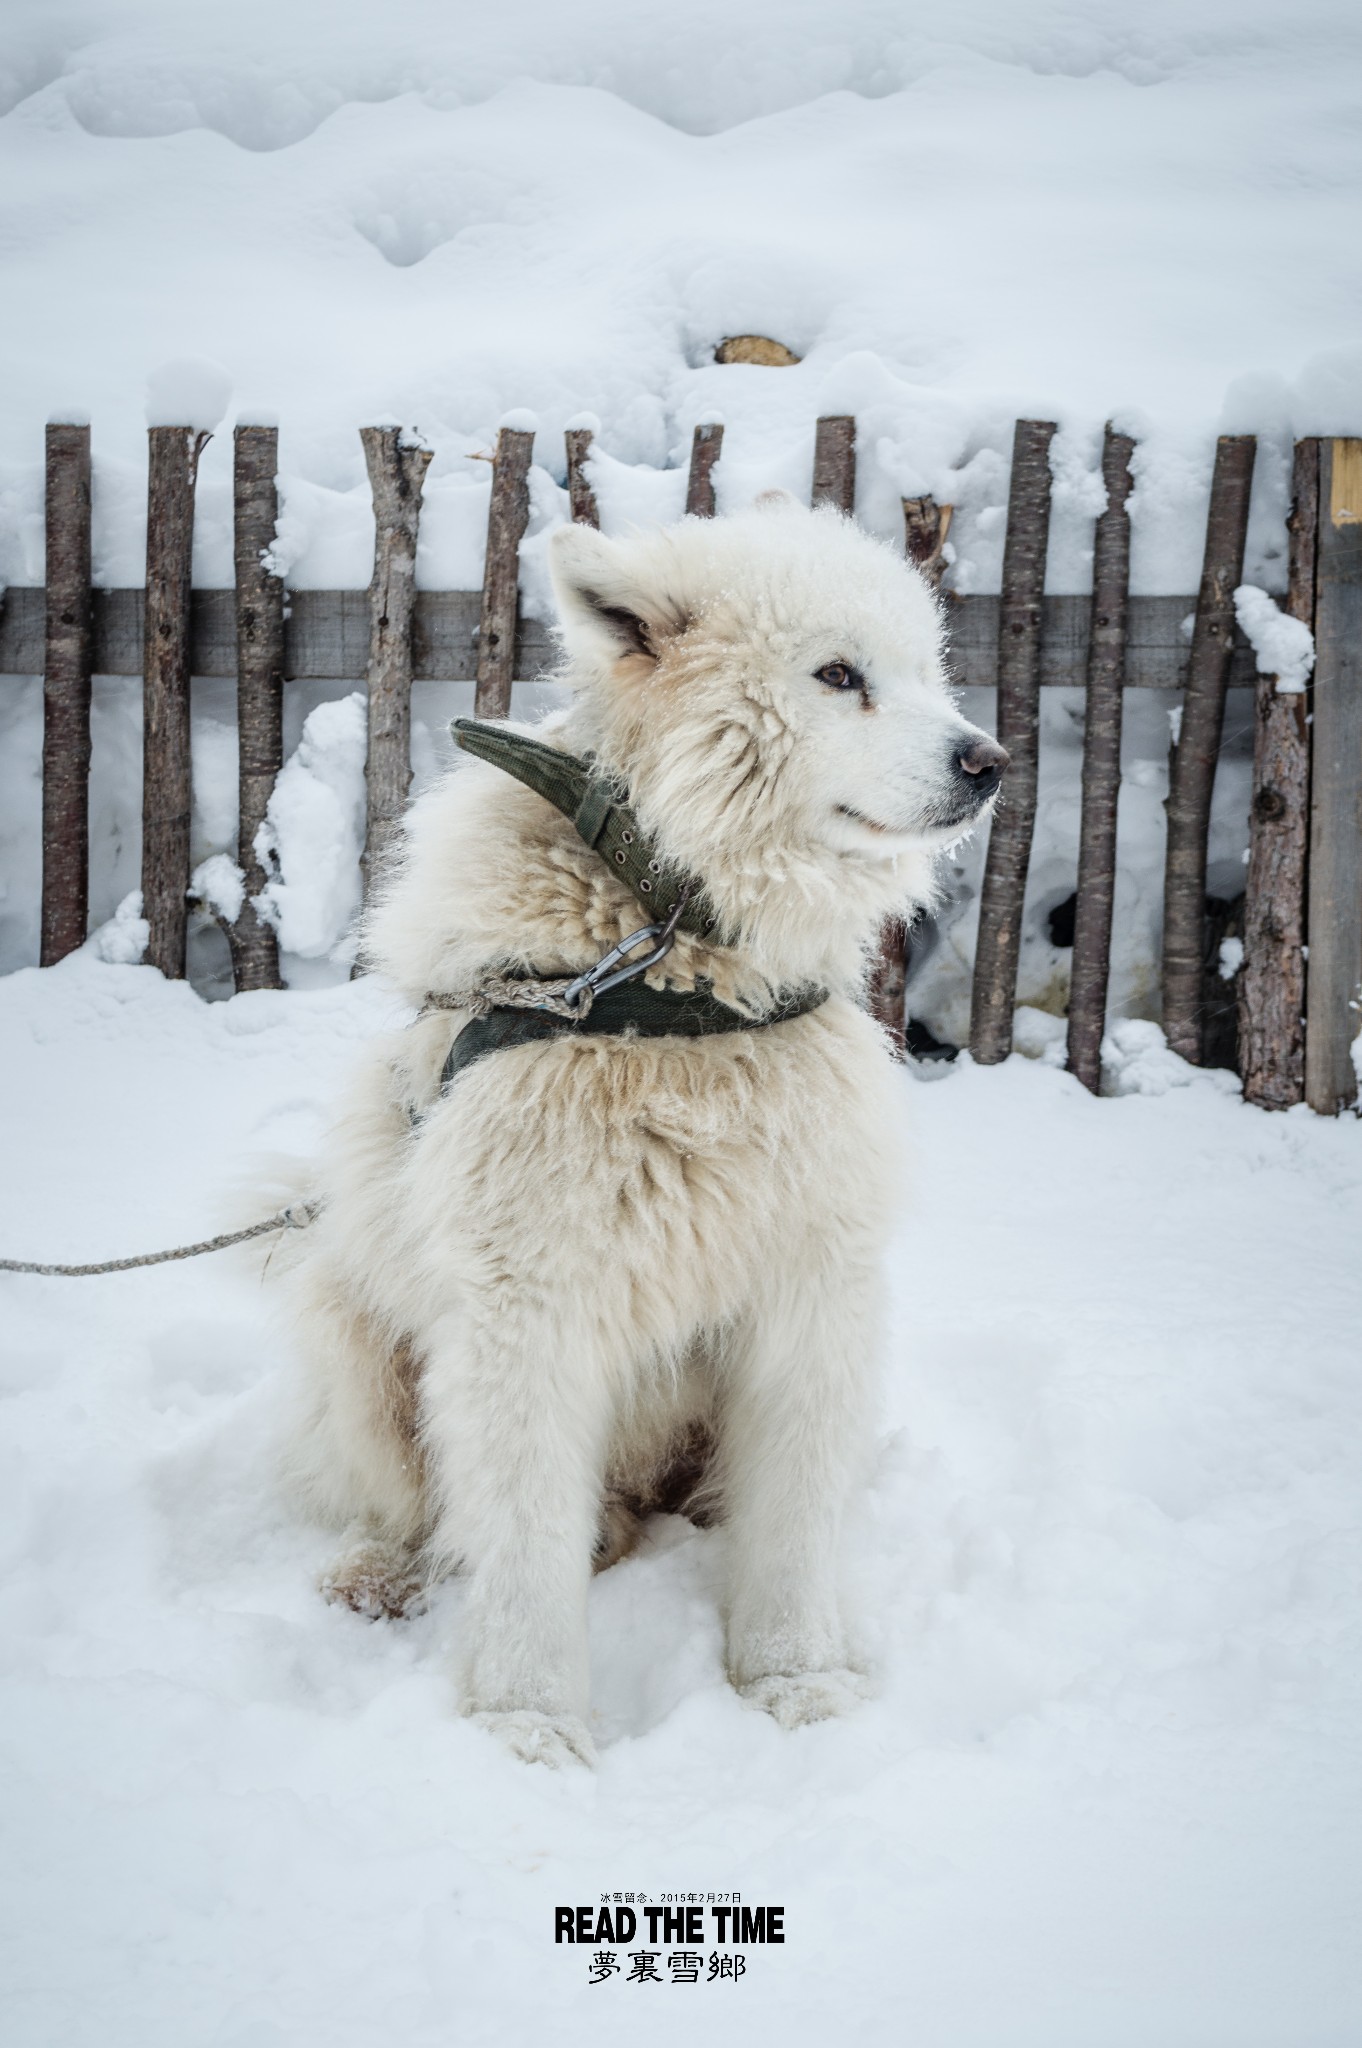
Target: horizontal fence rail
{"type": "Point", "coordinates": [326, 638]}
{"type": "Point", "coordinates": [1306, 811]}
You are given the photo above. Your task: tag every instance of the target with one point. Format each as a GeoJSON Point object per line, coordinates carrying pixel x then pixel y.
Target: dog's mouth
{"type": "Point", "coordinates": [873, 824]}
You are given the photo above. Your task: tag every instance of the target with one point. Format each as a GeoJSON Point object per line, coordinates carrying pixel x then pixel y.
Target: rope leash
{"type": "Point", "coordinates": [296, 1217]}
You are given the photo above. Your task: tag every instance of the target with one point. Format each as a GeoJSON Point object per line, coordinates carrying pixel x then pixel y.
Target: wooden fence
{"type": "Point", "coordinates": [1306, 811]}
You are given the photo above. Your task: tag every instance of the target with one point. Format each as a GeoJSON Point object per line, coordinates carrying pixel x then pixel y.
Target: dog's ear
{"type": "Point", "coordinates": [612, 600]}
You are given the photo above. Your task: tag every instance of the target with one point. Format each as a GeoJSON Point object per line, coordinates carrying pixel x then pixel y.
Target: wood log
{"type": "Point", "coordinates": [1101, 768]}
{"type": "Point", "coordinates": [1018, 723]}
{"type": "Point", "coordinates": [397, 474]}
{"type": "Point", "coordinates": [1192, 775]}
{"type": "Point", "coordinates": [67, 652]}
{"type": "Point", "coordinates": [581, 497]}
{"type": "Point", "coordinates": [755, 348]}
{"type": "Point", "coordinates": [1271, 983]}
{"type": "Point", "coordinates": [1334, 986]}
{"type": "Point", "coordinates": [926, 525]}
{"type": "Point", "coordinates": [926, 528]}
{"type": "Point", "coordinates": [507, 517]}
{"type": "Point", "coordinates": [326, 636]}
{"type": "Point", "coordinates": [259, 689]}
{"type": "Point", "coordinates": [166, 786]}
{"type": "Point", "coordinates": [705, 449]}
{"type": "Point", "coordinates": [834, 463]}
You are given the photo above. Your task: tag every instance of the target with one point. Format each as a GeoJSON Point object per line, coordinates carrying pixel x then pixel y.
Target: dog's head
{"type": "Point", "coordinates": [770, 685]}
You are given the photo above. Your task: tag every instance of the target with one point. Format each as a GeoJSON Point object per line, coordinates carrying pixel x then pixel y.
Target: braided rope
{"type": "Point", "coordinates": [501, 993]}
{"type": "Point", "coordinates": [297, 1217]}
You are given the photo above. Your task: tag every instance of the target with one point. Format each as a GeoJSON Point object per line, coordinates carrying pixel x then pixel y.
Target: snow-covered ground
{"type": "Point", "coordinates": [1108, 1792]}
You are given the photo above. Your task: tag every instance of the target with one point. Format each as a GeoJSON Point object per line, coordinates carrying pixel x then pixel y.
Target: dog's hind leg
{"type": "Point", "coordinates": [793, 1436]}
{"type": "Point", "coordinates": [517, 1416]}
{"type": "Point", "coordinates": [376, 1575]}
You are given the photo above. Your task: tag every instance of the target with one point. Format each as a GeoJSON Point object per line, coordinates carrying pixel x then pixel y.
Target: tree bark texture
{"type": "Point", "coordinates": [705, 449]}
{"type": "Point", "coordinates": [396, 477]}
{"type": "Point", "coordinates": [1192, 771]}
{"type": "Point", "coordinates": [1334, 990]}
{"type": "Point", "coordinates": [1271, 983]}
{"type": "Point", "coordinates": [66, 695]}
{"type": "Point", "coordinates": [581, 497]}
{"type": "Point", "coordinates": [166, 787]}
{"type": "Point", "coordinates": [1101, 768]}
{"type": "Point", "coordinates": [1018, 722]}
{"type": "Point", "coordinates": [834, 462]}
{"type": "Point", "coordinates": [926, 525]}
{"type": "Point", "coordinates": [259, 689]}
{"type": "Point", "coordinates": [507, 518]}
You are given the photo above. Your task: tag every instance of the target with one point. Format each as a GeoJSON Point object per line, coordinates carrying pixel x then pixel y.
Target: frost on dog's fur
{"type": "Point", "coordinates": [526, 1299]}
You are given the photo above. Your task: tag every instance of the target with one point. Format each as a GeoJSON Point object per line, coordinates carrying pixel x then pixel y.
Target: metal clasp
{"type": "Point", "coordinates": [599, 978]}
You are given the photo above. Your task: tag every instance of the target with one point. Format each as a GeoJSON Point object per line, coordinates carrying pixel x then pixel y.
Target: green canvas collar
{"type": "Point", "coordinates": [604, 819]}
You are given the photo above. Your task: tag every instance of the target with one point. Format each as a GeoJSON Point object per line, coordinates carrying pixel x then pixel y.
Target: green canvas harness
{"type": "Point", "coordinates": [673, 901]}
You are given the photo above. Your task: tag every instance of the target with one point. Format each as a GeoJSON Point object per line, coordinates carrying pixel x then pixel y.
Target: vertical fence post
{"type": "Point", "coordinates": [926, 525]}
{"type": "Point", "coordinates": [66, 695]}
{"type": "Point", "coordinates": [1271, 992]}
{"type": "Point", "coordinates": [1335, 970]}
{"type": "Point", "coordinates": [1101, 767]}
{"type": "Point", "coordinates": [259, 688]}
{"type": "Point", "coordinates": [1192, 773]}
{"type": "Point", "coordinates": [834, 462]}
{"type": "Point", "coordinates": [1018, 727]}
{"type": "Point", "coordinates": [397, 474]}
{"type": "Point", "coordinates": [166, 788]}
{"type": "Point", "coordinates": [507, 517]}
{"type": "Point", "coordinates": [581, 497]}
{"type": "Point", "coordinates": [705, 448]}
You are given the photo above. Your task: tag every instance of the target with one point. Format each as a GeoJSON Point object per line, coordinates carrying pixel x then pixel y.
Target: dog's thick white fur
{"type": "Point", "coordinates": [531, 1301]}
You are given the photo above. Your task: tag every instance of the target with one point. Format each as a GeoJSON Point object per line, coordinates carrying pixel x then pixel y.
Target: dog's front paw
{"type": "Point", "coordinates": [553, 1739]}
{"type": "Point", "coordinates": [793, 1700]}
{"type": "Point", "coordinates": [381, 1581]}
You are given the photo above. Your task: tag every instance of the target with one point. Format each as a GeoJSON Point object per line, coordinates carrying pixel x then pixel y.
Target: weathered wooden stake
{"type": "Point", "coordinates": [1334, 999]}
{"type": "Point", "coordinates": [926, 528]}
{"type": "Point", "coordinates": [1271, 991]}
{"type": "Point", "coordinates": [1101, 767]}
{"type": "Point", "coordinates": [705, 449]}
{"type": "Point", "coordinates": [1192, 773]}
{"type": "Point", "coordinates": [507, 517]}
{"type": "Point", "coordinates": [834, 462]}
{"type": "Point", "coordinates": [1018, 723]}
{"type": "Point", "coordinates": [580, 494]}
{"type": "Point", "coordinates": [166, 788]}
{"type": "Point", "coordinates": [66, 695]}
{"type": "Point", "coordinates": [397, 474]}
{"type": "Point", "coordinates": [259, 689]}
{"type": "Point", "coordinates": [926, 525]}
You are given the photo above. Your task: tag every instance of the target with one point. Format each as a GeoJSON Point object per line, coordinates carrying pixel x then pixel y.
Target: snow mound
{"type": "Point", "coordinates": [313, 835]}
{"type": "Point", "coordinates": [1284, 647]}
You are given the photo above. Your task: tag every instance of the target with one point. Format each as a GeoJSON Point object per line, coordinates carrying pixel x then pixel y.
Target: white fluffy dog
{"type": "Point", "coordinates": [598, 1274]}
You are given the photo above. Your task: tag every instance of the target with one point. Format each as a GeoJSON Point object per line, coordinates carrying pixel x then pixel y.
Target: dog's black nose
{"type": "Point", "coordinates": [981, 763]}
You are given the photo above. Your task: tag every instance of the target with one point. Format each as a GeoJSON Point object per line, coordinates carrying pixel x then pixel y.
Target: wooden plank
{"type": "Point", "coordinates": [66, 695]}
{"type": "Point", "coordinates": [507, 517]}
{"type": "Point", "coordinates": [326, 638]}
{"type": "Point", "coordinates": [1271, 983]}
{"type": "Point", "coordinates": [834, 463]}
{"type": "Point", "coordinates": [705, 449]}
{"type": "Point", "coordinates": [1192, 775]}
{"type": "Point", "coordinates": [259, 688]}
{"type": "Point", "coordinates": [998, 948]}
{"type": "Point", "coordinates": [581, 497]}
{"type": "Point", "coordinates": [397, 474]}
{"type": "Point", "coordinates": [1096, 890]}
{"type": "Point", "coordinates": [925, 526]}
{"type": "Point", "coordinates": [1334, 993]}
{"type": "Point", "coordinates": [166, 793]}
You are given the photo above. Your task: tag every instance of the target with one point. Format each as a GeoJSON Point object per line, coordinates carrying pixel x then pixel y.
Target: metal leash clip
{"type": "Point", "coordinates": [599, 978]}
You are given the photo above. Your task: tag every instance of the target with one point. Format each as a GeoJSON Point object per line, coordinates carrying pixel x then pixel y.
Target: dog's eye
{"type": "Point", "coordinates": [840, 675]}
